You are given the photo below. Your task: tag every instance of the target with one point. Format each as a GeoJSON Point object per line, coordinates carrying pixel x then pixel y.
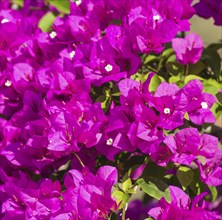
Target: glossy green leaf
{"type": "Point", "coordinates": [185, 176]}
{"type": "Point", "coordinates": [211, 86]}
{"type": "Point", "coordinates": [61, 5]}
{"type": "Point", "coordinates": [46, 22]}
{"type": "Point", "coordinates": [192, 77]}
{"type": "Point", "coordinates": [155, 188]}
{"type": "Point", "coordinates": [126, 185]}
{"type": "Point", "coordinates": [121, 198]}
{"type": "Point", "coordinates": [154, 83]}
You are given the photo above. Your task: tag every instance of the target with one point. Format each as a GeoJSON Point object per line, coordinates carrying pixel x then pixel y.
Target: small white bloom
{"type": "Point", "coordinates": [204, 105]}
{"type": "Point", "coordinates": [15, 6]}
{"type": "Point", "coordinates": [166, 111]}
{"type": "Point", "coordinates": [53, 34]}
{"type": "Point", "coordinates": [108, 67]}
{"type": "Point", "coordinates": [109, 141]}
{"type": "Point", "coordinates": [78, 2]}
{"type": "Point", "coordinates": [156, 17]}
{"type": "Point", "coordinates": [4, 20]}
{"type": "Point", "coordinates": [72, 54]}
{"type": "Point", "coordinates": [8, 83]}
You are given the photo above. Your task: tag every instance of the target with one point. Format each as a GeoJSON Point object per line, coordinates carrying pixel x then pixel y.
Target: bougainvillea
{"type": "Point", "coordinates": [103, 101]}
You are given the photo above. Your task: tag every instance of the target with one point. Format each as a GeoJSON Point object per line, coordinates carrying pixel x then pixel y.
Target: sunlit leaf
{"type": "Point", "coordinates": [155, 188]}
{"type": "Point", "coordinates": [46, 22]}
{"type": "Point", "coordinates": [121, 198]}
{"type": "Point", "coordinates": [61, 5]}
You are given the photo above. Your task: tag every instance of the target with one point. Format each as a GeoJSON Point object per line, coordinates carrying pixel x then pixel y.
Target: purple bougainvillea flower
{"type": "Point", "coordinates": [189, 146]}
{"type": "Point", "coordinates": [207, 9]}
{"type": "Point", "coordinates": [88, 195]}
{"type": "Point", "coordinates": [209, 164]}
{"type": "Point", "coordinates": [189, 49]}
{"type": "Point", "coordinates": [184, 145]}
{"type": "Point", "coordinates": [198, 103]}
{"type": "Point", "coordinates": [181, 207]}
{"type": "Point", "coordinates": [137, 210]}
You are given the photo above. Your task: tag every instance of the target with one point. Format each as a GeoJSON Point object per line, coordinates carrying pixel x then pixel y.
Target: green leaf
{"type": "Point", "coordinates": [116, 94]}
{"type": "Point", "coordinates": [219, 97]}
{"type": "Point", "coordinates": [185, 176]}
{"type": "Point", "coordinates": [186, 116]}
{"type": "Point", "coordinates": [217, 110]}
{"type": "Point", "coordinates": [167, 53]}
{"type": "Point", "coordinates": [212, 58]}
{"type": "Point", "coordinates": [126, 185]}
{"type": "Point", "coordinates": [197, 68]}
{"type": "Point", "coordinates": [46, 22]}
{"type": "Point", "coordinates": [150, 58]}
{"type": "Point", "coordinates": [121, 198]}
{"type": "Point", "coordinates": [154, 171]}
{"type": "Point", "coordinates": [61, 5]}
{"type": "Point", "coordinates": [177, 80]}
{"type": "Point", "coordinates": [18, 2]}
{"type": "Point", "coordinates": [214, 192]}
{"type": "Point", "coordinates": [215, 46]}
{"type": "Point", "coordinates": [114, 216]}
{"type": "Point", "coordinates": [174, 68]}
{"type": "Point", "coordinates": [171, 58]}
{"type": "Point", "coordinates": [154, 83]}
{"type": "Point", "coordinates": [105, 102]}
{"type": "Point", "coordinates": [211, 86]}
{"type": "Point", "coordinates": [155, 188]}
{"type": "Point", "coordinates": [191, 77]}
{"type": "Point", "coordinates": [197, 186]}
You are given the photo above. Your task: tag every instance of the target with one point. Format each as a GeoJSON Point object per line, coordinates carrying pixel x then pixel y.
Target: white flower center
{"type": "Point", "coordinates": [15, 6]}
{"type": "Point", "coordinates": [108, 67]}
{"type": "Point", "coordinates": [4, 20]}
{"type": "Point", "coordinates": [53, 34]}
{"type": "Point", "coordinates": [166, 111]}
{"type": "Point", "coordinates": [156, 17]}
{"type": "Point", "coordinates": [78, 2]}
{"type": "Point", "coordinates": [8, 83]}
{"type": "Point", "coordinates": [204, 105]}
{"type": "Point", "coordinates": [72, 54]}
{"type": "Point", "coordinates": [109, 141]}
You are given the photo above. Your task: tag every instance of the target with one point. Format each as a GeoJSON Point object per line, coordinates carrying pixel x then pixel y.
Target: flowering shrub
{"type": "Point", "coordinates": [104, 100]}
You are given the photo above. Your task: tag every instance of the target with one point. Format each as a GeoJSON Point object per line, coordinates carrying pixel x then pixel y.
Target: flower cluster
{"type": "Point", "coordinates": [182, 207]}
{"type": "Point", "coordinates": [54, 128]}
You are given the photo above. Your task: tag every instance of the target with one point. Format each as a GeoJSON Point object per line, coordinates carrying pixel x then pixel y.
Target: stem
{"type": "Point", "coordinates": [124, 213]}
{"type": "Point", "coordinates": [80, 161]}
{"type": "Point", "coordinates": [151, 68]}
{"type": "Point", "coordinates": [160, 63]}
{"type": "Point", "coordinates": [186, 68]}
